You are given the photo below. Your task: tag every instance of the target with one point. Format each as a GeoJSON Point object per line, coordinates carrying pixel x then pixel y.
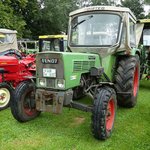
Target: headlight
{"type": "Point", "coordinates": [60, 83]}
{"type": "Point", "coordinates": [42, 82]}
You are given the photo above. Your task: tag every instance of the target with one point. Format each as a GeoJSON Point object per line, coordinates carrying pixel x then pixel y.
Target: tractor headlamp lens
{"type": "Point", "coordinates": [42, 82]}
{"type": "Point", "coordinates": [60, 83]}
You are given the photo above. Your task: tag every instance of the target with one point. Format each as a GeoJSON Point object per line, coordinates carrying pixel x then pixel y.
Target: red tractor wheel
{"type": "Point", "coordinates": [110, 114]}
{"type": "Point", "coordinates": [23, 105]}
{"type": "Point", "coordinates": [104, 112]}
{"type": "Point", "coordinates": [6, 94]}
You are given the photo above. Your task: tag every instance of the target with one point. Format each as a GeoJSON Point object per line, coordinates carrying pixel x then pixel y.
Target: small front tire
{"type": "Point", "coordinates": [104, 112]}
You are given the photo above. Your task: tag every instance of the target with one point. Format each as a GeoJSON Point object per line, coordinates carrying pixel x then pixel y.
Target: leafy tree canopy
{"type": "Point", "coordinates": [136, 7]}
{"type": "Point", "coordinates": [37, 17]}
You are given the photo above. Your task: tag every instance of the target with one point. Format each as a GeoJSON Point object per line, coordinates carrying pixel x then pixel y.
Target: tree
{"type": "Point", "coordinates": [147, 2]}
{"type": "Point", "coordinates": [53, 17]}
{"type": "Point", "coordinates": [31, 14]}
{"type": "Point", "coordinates": [136, 7]}
{"type": "Point", "coordinates": [104, 2]}
{"type": "Point", "coordinates": [9, 19]}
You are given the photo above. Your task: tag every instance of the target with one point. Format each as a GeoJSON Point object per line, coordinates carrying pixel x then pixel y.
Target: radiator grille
{"type": "Point", "coordinates": [83, 65]}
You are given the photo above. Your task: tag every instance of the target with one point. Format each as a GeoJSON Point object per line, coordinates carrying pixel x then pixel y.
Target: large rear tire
{"type": "Point", "coordinates": [104, 112]}
{"type": "Point", "coordinates": [127, 81]}
{"type": "Point", "coordinates": [6, 94]}
{"type": "Point", "coordinates": [23, 105]}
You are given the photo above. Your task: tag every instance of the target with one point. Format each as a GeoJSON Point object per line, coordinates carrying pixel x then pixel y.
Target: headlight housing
{"type": "Point", "coordinates": [60, 83]}
{"type": "Point", "coordinates": [42, 82]}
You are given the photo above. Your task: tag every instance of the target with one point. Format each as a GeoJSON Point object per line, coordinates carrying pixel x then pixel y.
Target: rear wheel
{"type": "Point", "coordinates": [103, 114]}
{"type": "Point", "coordinates": [6, 94]}
{"type": "Point", "coordinates": [23, 105]}
{"type": "Point", "coordinates": [127, 81]}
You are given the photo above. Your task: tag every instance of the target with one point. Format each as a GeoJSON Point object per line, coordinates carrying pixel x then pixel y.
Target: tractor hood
{"type": "Point", "coordinates": [66, 67]}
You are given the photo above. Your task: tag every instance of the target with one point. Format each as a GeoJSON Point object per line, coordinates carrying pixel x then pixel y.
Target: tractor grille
{"type": "Point", "coordinates": [51, 83]}
{"type": "Point", "coordinates": [83, 65]}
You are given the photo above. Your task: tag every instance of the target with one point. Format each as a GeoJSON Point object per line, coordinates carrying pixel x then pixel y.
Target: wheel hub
{"type": "Point", "coordinates": [29, 105]}
{"type": "Point", "coordinates": [135, 82]}
{"type": "Point", "coordinates": [4, 97]}
{"type": "Point", "coordinates": [110, 114]}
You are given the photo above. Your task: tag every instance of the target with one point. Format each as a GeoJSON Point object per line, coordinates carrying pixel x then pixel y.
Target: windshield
{"type": "Point", "coordinates": [95, 30]}
{"type": "Point", "coordinates": [146, 37]}
{"type": "Point", "coordinates": [53, 45]}
{"type": "Point", "coordinates": [6, 38]}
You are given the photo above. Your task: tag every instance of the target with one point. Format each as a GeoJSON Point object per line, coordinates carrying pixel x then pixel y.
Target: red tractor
{"type": "Point", "coordinates": [14, 67]}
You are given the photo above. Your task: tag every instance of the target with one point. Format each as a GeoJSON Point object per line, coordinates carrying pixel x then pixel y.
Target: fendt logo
{"type": "Point", "coordinates": [49, 61]}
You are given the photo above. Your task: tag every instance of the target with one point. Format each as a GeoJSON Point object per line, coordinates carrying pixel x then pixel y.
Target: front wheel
{"type": "Point", "coordinates": [6, 94]}
{"type": "Point", "coordinates": [104, 112]}
{"type": "Point", "coordinates": [23, 105]}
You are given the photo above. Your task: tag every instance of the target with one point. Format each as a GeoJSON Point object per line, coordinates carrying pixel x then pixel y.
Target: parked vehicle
{"type": "Point", "coordinates": [28, 46]}
{"type": "Point", "coordinates": [14, 67]}
{"type": "Point", "coordinates": [144, 37]}
{"type": "Point", "coordinates": [102, 62]}
{"type": "Point", "coordinates": [53, 43]}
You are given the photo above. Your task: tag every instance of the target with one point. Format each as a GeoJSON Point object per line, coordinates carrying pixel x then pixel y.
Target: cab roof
{"type": "Point", "coordinates": [144, 21]}
{"type": "Point", "coordinates": [8, 31]}
{"type": "Point", "coordinates": [53, 36]}
{"type": "Point", "coordinates": [102, 8]}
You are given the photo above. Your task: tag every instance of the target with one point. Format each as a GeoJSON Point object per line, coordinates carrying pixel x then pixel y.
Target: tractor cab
{"type": "Point", "coordinates": [8, 40]}
{"type": "Point", "coordinates": [102, 29]}
{"type": "Point", "coordinates": [8, 43]}
{"type": "Point", "coordinates": [53, 43]}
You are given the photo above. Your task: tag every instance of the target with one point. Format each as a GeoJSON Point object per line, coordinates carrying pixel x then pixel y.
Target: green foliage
{"type": "Point", "coordinates": [9, 18]}
{"type": "Point", "coordinates": [104, 2]}
{"type": "Point", "coordinates": [136, 7]}
{"type": "Point", "coordinates": [147, 2]}
{"type": "Point", "coordinates": [31, 15]}
{"type": "Point", "coordinates": [53, 17]}
{"type": "Point", "coordinates": [37, 17]}
{"type": "Point", "coordinates": [147, 16]}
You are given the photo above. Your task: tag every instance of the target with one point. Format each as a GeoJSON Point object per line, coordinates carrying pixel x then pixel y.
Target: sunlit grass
{"type": "Point", "coordinates": [71, 130]}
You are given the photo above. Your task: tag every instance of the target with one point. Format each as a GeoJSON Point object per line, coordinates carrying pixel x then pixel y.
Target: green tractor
{"type": "Point", "coordinates": [143, 31]}
{"type": "Point", "coordinates": [102, 63]}
{"type": "Point", "coordinates": [28, 46]}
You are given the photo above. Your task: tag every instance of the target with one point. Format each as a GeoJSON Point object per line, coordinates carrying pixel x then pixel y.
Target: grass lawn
{"type": "Point", "coordinates": [71, 129]}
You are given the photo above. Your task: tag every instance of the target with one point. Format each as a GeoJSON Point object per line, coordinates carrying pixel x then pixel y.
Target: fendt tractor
{"type": "Point", "coordinates": [102, 63]}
